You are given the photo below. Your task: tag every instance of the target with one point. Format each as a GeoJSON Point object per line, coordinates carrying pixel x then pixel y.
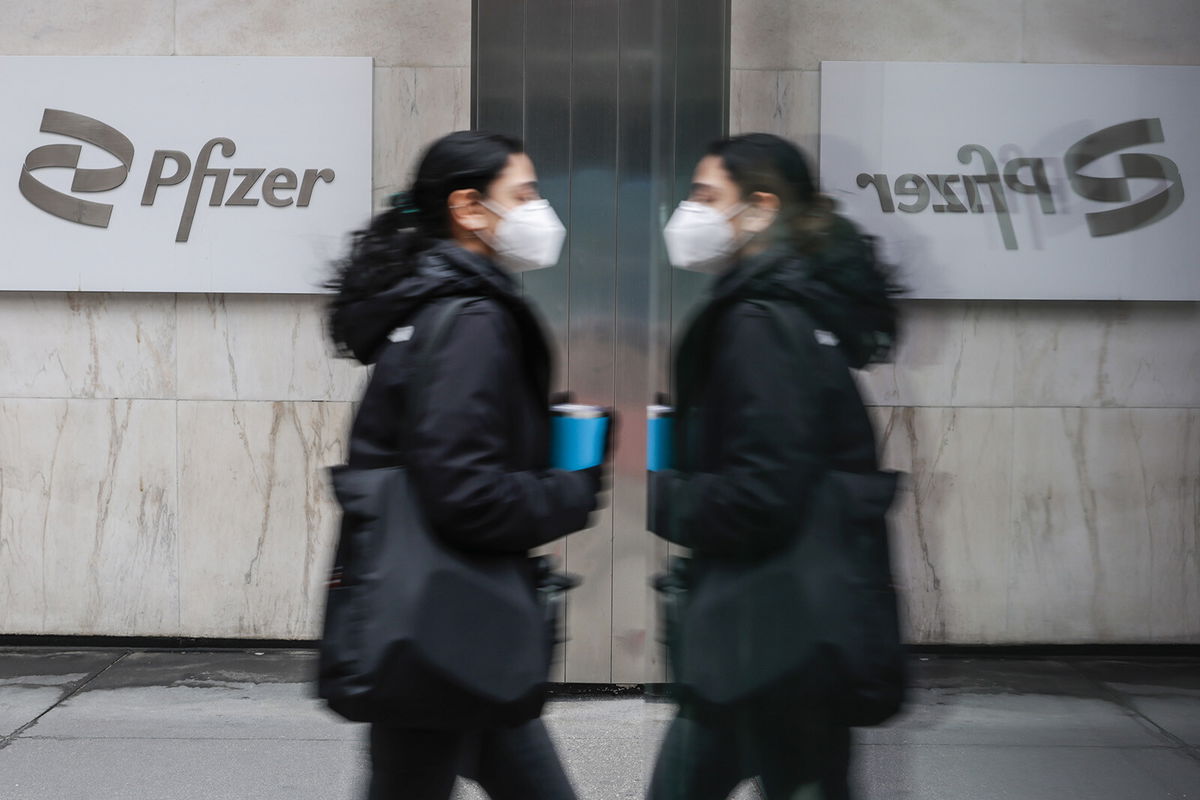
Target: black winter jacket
{"type": "Point", "coordinates": [478, 449]}
{"type": "Point", "coordinates": [759, 419]}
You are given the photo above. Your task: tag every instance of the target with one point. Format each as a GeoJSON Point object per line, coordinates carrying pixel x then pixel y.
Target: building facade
{"type": "Point", "coordinates": [162, 456]}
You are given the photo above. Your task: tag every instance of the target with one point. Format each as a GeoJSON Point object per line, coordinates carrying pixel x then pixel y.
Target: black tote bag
{"type": "Point", "coordinates": [817, 621]}
{"type": "Point", "coordinates": [421, 634]}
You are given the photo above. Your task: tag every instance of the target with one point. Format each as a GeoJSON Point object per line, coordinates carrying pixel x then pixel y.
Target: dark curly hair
{"type": "Point", "coordinates": [384, 252]}
{"type": "Point", "coordinates": [837, 253]}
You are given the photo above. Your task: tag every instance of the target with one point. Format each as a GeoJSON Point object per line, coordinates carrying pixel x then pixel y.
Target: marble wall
{"type": "Point", "coordinates": [1053, 448]}
{"type": "Point", "coordinates": [161, 456]}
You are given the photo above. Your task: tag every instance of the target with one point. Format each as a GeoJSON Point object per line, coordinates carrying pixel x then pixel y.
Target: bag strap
{"type": "Point", "coordinates": [428, 338]}
{"type": "Point", "coordinates": [800, 333]}
{"type": "Point", "coordinates": [796, 329]}
{"type": "Point", "coordinates": [875, 496]}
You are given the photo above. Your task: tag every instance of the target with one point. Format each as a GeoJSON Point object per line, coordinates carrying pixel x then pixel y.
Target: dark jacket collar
{"type": "Point", "coordinates": [842, 287]}
{"type": "Point", "coordinates": [443, 270]}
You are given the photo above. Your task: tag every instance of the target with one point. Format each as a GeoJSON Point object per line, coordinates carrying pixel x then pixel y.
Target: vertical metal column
{"type": "Point", "coordinates": [615, 100]}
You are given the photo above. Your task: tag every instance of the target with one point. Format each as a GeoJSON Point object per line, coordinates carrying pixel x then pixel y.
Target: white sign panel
{"type": "Point", "coordinates": [1021, 181]}
{"type": "Point", "coordinates": [177, 174]}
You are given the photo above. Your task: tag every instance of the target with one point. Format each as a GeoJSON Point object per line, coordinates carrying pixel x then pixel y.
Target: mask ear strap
{"type": "Point", "coordinates": [744, 237]}
{"type": "Point", "coordinates": [492, 207]}
{"type": "Point", "coordinates": [737, 210]}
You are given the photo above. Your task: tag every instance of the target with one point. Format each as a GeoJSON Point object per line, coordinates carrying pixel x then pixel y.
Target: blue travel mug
{"type": "Point", "coordinates": [659, 425]}
{"type": "Point", "coordinates": [577, 436]}
{"type": "Point", "coordinates": [659, 455]}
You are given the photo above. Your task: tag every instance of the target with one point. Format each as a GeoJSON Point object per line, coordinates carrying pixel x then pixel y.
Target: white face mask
{"type": "Point", "coordinates": [700, 238]}
{"type": "Point", "coordinates": [529, 236]}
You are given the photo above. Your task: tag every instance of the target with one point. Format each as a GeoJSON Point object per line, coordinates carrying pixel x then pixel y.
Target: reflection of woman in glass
{"type": "Point", "coordinates": [761, 416]}
{"type": "Point", "coordinates": [478, 448]}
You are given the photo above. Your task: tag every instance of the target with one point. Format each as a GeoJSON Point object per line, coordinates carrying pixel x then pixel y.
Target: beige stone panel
{"type": "Point", "coordinates": [786, 103]}
{"type": "Point", "coordinates": [380, 197]}
{"type": "Point", "coordinates": [413, 107]}
{"type": "Point", "coordinates": [426, 33]}
{"type": "Point", "coordinates": [788, 34]}
{"type": "Point", "coordinates": [1108, 354]}
{"type": "Point", "coordinates": [1113, 32]}
{"type": "Point", "coordinates": [55, 344]}
{"type": "Point", "coordinates": [1106, 545]}
{"type": "Point", "coordinates": [951, 353]}
{"type": "Point", "coordinates": [86, 27]}
{"type": "Point", "coordinates": [88, 539]}
{"type": "Point", "coordinates": [951, 524]}
{"type": "Point", "coordinates": [257, 521]}
{"type": "Point", "coordinates": [261, 347]}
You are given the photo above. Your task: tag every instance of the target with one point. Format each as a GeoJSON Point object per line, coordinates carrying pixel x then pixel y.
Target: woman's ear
{"type": "Point", "coordinates": [466, 211]}
{"type": "Point", "coordinates": [765, 201]}
{"type": "Point", "coordinates": [764, 208]}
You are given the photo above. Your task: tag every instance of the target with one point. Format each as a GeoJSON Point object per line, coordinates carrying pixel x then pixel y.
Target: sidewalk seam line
{"type": "Point", "coordinates": [12, 737]}
{"type": "Point", "coordinates": [1122, 700]}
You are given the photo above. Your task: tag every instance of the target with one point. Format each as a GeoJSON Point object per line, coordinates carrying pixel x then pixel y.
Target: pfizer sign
{"type": "Point", "coordinates": [172, 174]}
{"type": "Point", "coordinates": [1021, 181]}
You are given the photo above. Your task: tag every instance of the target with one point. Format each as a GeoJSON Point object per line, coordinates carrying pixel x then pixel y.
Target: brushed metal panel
{"type": "Point", "coordinates": [616, 100]}
{"type": "Point", "coordinates": [548, 141]}
{"type": "Point", "coordinates": [636, 235]}
{"type": "Point", "coordinates": [498, 66]}
{"type": "Point", "coordinates": [660, 278]}
{"type": "Point", "coordinates": [590, 341]}
{"type": "Point", "coordinates": [701, 115]}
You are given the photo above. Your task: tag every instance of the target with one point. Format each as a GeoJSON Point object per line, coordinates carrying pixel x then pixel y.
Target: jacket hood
{"type": "Point", "coordinates": [443, 270]}
{"type": "Point", "coordinates": [843, 287]}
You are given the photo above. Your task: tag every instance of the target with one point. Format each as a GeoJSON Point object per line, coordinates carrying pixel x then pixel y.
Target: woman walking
{"type": "Point", "coordinates": [476, 445]}
{"type": "Point", "coordinates": [766, 407]}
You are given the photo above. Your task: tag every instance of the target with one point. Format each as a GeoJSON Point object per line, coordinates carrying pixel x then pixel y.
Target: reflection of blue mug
{"type": "Point", "coordinates": [577, 436]}
{"type": "Point", "coordinates": [659, 422]}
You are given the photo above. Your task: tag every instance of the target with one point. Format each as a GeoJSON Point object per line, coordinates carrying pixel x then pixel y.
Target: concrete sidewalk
{"type": "Point", "coordinates": [98, 724]}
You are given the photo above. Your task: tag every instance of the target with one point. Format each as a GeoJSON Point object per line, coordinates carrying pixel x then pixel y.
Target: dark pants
{"type": "Point", "coordinates": [509, 763]}
{"type": "Point", "coordinates": [705, 758]}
